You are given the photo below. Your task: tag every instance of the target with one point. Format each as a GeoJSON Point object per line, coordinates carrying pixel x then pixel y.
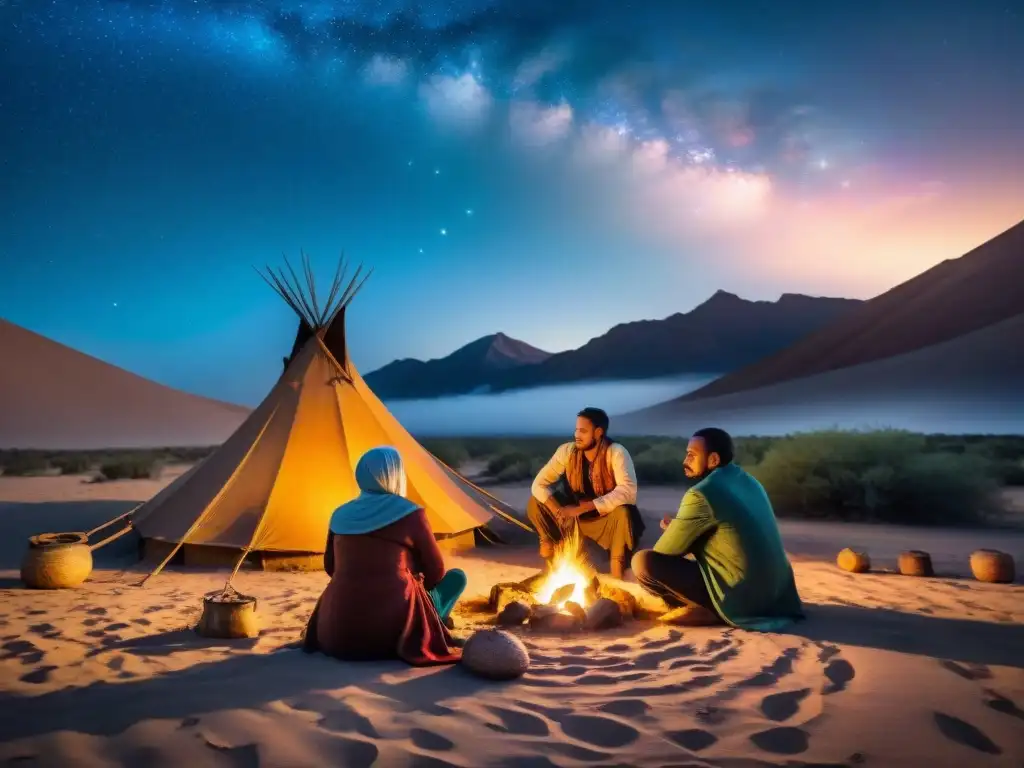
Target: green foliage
{"type": "Point", "coordinates": [23, 463]}
{"type": "Point", "coordinates": [660, 464]}
{"type": "Point", "coordinates": [72, 463]}
{"type": "Point", "coordinates": [888, 476]}
{"type": "Point", "coordinates": [129, 468]}
{"type": "Point", "coordinates": [451, 452]}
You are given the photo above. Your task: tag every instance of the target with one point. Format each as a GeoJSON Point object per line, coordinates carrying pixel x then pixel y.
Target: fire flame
{"type": "Point", "coordinates": [568, 566]}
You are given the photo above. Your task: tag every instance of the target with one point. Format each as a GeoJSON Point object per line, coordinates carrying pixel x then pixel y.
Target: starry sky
{"type": "Point", "coordinates": [542, 168]}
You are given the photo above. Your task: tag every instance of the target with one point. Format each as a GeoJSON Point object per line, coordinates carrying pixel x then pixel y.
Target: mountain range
{"type": "Point", "coordinates": [719, 335]}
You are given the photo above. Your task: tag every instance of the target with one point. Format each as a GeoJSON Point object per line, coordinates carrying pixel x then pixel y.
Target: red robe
{"type": "Point", "coordinates": [376, 605]}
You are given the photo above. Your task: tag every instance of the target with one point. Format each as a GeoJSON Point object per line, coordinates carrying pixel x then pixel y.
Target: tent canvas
{"type": "Point", "coordinates": [271, 488]}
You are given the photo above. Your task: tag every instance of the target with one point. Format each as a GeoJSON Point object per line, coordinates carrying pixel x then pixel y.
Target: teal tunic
{"type": "Point", "coordinates": [727, 522]}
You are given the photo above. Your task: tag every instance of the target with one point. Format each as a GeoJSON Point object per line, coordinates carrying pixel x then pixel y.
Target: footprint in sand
{"type": "Point", "coordinates": [245, 756]}
{"type": "Point", "coordinates": [97, 611]}
{"type": "Point", "coordinates": [962, 732]}
{"type": "Point", "coordinates": [518, 723]}
{"type": "Point", "coordinates": [415, 761]}
{"type": "Point", "coordinates": [425, 739]}
{"type": "Point", "coordinates": [45, 630]}
{"type": "Point", "coordinates": [839, 673]}
{"type": "Point", "coordinates": [626, 708]}
{"type": "Point", "coordinates": [782, 741]}
{"type": "Point", "coordinates": [1003, 705]}
{"type": "Point", "coordinates": [37, 676]}
{"type": "Point", "coordinates": [599, 731]}
{"type": "Point", "coordinates": [693, 739]}
{"type": "Point", "coordinates": [826, 652]}
{"type": "Point", "coordinates": [22, 650]}
{"type": "Point", "coordinates": [771, 674]}
{"type": "Point", "coordinates": [971, 672]}
{"type": "Point", "coordinates": [782, 706]}
{"type": "Point", "coordinates": [342, 718]}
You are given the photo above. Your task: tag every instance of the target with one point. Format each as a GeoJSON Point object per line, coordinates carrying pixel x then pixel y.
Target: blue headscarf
{"type": "Point", "coordinates": [380, 476]}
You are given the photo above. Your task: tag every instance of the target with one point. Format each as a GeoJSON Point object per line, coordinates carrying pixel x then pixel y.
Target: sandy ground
{"type": "Point", "coordinates": [887, 671]}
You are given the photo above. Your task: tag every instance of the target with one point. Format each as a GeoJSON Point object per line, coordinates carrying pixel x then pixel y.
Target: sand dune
{"type": "Point", "coordinates": [973, 383]}
{"type": "Point", "coordinates": [52, 396]}
{"type": "Point", "coordinates": [887, 671]}
{"type": "Point", "coordinates": [956, 297]}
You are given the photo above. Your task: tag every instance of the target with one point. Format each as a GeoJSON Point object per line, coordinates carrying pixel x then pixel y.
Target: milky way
{"type": "Point", "coordinates": [651, 152]}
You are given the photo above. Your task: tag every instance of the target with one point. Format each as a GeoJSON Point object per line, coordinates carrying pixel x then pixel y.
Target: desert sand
{"type": "Point", "coordinates": [112, 408]}
{"type": "Point", "coordinates": [886, 671]}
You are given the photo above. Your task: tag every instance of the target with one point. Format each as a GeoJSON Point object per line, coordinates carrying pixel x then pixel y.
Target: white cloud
{"type": "Point", "coordinates": [537, 125]}
{"type": "Point", "coordinates": [601, 143]}
{"type": "Point", "coordinates": [533, 69]}
{"type": "Point", "coordinates": [463, 100]}
{"type": "Point", "coordinates": [385, 70]}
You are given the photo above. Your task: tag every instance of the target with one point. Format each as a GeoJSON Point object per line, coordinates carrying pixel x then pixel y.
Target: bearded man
{"type": "Point", "coordinates": [721, 559]}
{"type": "Point", "coordinates": [589, 482]}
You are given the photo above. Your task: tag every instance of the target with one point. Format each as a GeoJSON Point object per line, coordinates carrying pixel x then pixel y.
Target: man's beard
{"type": "Point", "coordinates": [697, 476]}
{"type": "Point", "coordinates": [586, 446]}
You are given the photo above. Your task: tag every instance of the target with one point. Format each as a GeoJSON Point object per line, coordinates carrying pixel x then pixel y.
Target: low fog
{"type": "Point", "coordinates": [551, 411]}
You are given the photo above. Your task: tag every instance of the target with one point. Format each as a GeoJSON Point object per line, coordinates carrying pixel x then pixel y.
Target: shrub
{"type": "Point", "coordinates": [23, 463]}
{"type": "Point", "coordinates": [498, 464]}
{"type": "Point", "coordinates": [131, 468]}
{"type": "Point", "coordinates": [520, 471]}
{"type": "Point", "coordinates": [882, 476]}
{"type": "Point", "coordinates": [660, 464]}
{"type": "Point", "coordinates": [72, 463]}
{"type": "Point", "coordinates": [451, 452]}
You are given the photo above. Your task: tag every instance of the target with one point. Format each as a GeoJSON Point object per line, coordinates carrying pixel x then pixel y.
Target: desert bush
{"type": "Point", "coordinates": [451, 452]}
{"type": "Point", "coordinates": [660, 465]}
{"type": "Point", "coordinates": [23, 463]}
{"type": "Point", "coordinates": [71, 463]}
{"type": "Point", "coordinates": [498, 464]}
{"type": "Point", "coordinates": [128, 468]}
{"type": "Point", "coordinates": [524, 470]}
{"type": "Point", "coordinates": [886, 476]}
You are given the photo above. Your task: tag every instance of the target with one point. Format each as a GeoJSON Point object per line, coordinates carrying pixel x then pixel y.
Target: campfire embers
{"type": "Point", "coordinates": [565, 598]}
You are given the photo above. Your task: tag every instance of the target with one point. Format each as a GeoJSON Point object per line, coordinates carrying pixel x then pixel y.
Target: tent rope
{"type": "Point", "coordinates": [494, 499]}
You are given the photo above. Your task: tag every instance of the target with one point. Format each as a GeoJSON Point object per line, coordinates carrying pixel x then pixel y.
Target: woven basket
{"type": "Point", "coordinates": [228, 616]}
{"type": "Point", "coordinates": [853, 561]}
{"type": "Point", "coordinates": [56, 561]}
{"type": "Point", "coordinates": [914, 562]}
{"type": "Point", "coordinates": [496, 655]}
{"type": "Point", "coordinates": [993, 566]}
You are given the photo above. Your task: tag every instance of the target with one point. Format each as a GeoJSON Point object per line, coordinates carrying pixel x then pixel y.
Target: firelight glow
{"type": "Point", "coordinates": [568, 566]}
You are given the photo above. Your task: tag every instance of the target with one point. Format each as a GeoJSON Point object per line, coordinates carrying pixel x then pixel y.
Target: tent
{"type": "Point", "coordinates": [268, 492]}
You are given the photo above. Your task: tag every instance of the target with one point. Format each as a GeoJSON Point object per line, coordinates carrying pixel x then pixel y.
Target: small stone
{"type": "Point", "coordinates": [575, 609]}
{"type": "Point", "coordinates": [603, 614]}
{"type": "Point", "coordinates": [555, 622]}
{"type": "Point", "coordinates": [513, 614]}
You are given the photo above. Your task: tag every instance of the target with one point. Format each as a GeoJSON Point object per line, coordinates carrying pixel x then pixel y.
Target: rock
{"type": "Point", "coordinates": [562, 594]}
{"type": "Point", "coordinates": [603, 614]}
{"type": "Point", "coordinates": [576, 610]}
{"type": "Point", "coordinates": [514, 614]}
{"type": "Point", "coordinates": [495, 654]}
{"type": "Point", "coordinates": [510, 592]}
{"type": "Point", "coordinates": [538, 611]}
{"type": "Point", "coordinates": [555, 622]}
{"type": "Point", "coordinates": [626, 602]}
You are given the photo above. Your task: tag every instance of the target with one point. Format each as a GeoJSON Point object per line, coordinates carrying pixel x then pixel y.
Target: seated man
{"type": "Point", "coordinates": [739, 574]}
{"type": "Point", "coordinates": [598, 491]}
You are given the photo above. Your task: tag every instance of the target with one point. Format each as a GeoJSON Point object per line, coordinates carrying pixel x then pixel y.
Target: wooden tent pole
{"type": "Point", "coordinates": [99, 528]}
{"type": "Point", "coordinates": [114, 537]}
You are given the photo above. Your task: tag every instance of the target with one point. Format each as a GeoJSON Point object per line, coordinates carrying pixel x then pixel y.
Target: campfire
{"type": "Point", "coordinates": [566, 597]}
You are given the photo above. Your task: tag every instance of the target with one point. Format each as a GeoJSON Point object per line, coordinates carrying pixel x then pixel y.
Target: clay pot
{"type": "Point", "coordinates": [228, 616]}
{"type": "Point", "coordinates": [993, 566]}
{"type": "Point", "coordinates": [495, 654]}
{"type": "Point", "coordinates": [56, 561]}
{"type": "Point", "coordinates": [853, 561]}
{"type": "Point", "coordinates": [914, 562]}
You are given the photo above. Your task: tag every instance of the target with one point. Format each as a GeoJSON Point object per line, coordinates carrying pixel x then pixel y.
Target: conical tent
{"type": "Point", "coordinates": [270, 489]}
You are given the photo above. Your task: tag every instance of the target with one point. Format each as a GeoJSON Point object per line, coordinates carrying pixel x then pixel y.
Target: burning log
{"type": "Point", "coordinates": [509, 592]}
{"type": "Point", "coordinates": [555, 621]}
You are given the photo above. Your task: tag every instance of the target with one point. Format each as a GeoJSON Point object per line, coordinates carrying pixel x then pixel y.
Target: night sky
{"type": "Point", "coordinates": [547, 168]}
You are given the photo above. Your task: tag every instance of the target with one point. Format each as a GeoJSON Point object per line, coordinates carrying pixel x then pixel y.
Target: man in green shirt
{"type": "Point", "coordinates": [739, 573]}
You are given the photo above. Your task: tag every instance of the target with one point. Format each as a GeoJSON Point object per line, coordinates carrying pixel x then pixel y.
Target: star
{"type": "Point", "coordinates": [469, 211]}
{"type": "Point", "coordinates": [115, 303]}
{"type": "Point", "coordinates": [421, 250]}
{"type": "Point", "coordinates": [823, 164]}
{"type": "Point", "coordinates": [437, 171]}
{"type": "Point", "coordinates": [444, 231]}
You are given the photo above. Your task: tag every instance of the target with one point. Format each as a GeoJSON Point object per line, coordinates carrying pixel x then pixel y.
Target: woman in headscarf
{"type": "Point", "coordinates": [389, 594]}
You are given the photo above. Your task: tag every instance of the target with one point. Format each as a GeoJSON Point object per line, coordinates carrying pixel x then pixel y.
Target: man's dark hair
{"type": "Point", "coordinates": [717, 441]}
{"type": "Point", "coordinates": [597, 417]}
